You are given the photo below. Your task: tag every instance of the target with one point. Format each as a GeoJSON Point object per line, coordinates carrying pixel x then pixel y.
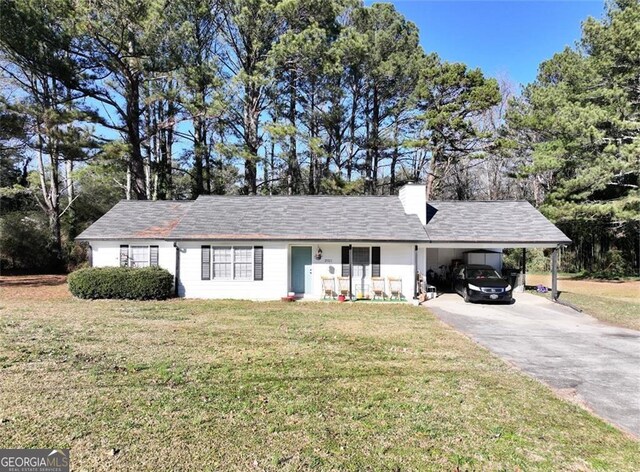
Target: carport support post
{"type": "Point", "coordinates": [524, 266]}
{"type": "Point", "coordinates": [415, 272]}
{"type": "Point", "coordinates": [554, 274]}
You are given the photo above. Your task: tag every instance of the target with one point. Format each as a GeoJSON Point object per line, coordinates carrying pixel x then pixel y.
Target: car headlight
{"type": "Point", "coordinates": [508, 288]}
{"type": "Point", "coordinates": [474, 287]}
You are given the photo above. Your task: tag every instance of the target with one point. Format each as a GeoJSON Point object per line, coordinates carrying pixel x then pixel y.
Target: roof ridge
{"type": "Point", "coordinates": [293, 196]}
{"type": "Point", "coordinates": [124, 200]}
{"type": "Point", "coordinates": [479, 201]}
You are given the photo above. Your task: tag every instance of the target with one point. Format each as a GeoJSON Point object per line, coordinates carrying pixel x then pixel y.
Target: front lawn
{"type": "Point", "coordinates": [197, 385]}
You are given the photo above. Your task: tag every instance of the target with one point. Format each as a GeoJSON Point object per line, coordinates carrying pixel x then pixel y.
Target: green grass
{"type": "Point", "coordinates": [230, 385]}
{"type": "Point", "coordinates": [624, 312]}
{"type": "Point", "coordinates": [616, 303]}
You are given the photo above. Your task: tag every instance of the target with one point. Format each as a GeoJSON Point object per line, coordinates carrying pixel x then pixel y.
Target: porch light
{"type": "Point", "coordinates": [319, 254]}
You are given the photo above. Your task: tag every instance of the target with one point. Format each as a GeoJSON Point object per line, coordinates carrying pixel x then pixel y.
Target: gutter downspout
{"type": "Point", "coordinates": [177, 271]}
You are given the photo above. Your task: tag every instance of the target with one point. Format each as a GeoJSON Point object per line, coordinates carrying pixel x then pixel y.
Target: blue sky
{"type": "Point", "coordinates": [503, 37]}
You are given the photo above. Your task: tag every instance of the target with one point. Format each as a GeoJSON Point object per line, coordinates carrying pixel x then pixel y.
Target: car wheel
{"type": "Point", "coordinates": [466, 296]}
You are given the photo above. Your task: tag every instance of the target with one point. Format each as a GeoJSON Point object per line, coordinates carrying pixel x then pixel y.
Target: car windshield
{"type": "Point", "coordinates": [482, 274]}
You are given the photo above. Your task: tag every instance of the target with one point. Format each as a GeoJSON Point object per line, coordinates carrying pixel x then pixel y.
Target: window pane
{"type": "Point", "coordinates": [139, 256]}
{"type": "Point", "coordinates": [243, 254]}
{"type": "Point", "coordinates": [221, 254]}
{"type": "Point", "coordinates": [360, 256]}
{"type": "Point", "coordinates": [221, 270]}
{"type": "Point", "coordinates": [243, 270]}
{"type": "Point", "coordinates": [221, 257]}
{"type": "Point", "coordinates": [243, 262]}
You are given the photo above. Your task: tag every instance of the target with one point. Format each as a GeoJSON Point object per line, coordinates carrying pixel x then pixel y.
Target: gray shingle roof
{"type": "Point", "coordinates": [490, 222]}
{"type": "Point", "coordinates": [299, 218]}
{"type": "Point", "coordinates": [324, 218]}
{"type": "Point", "coordinates": [133, 219]}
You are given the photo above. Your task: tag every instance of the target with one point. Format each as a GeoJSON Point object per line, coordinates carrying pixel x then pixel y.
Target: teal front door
{"type": "Point", "coordinates": [301, 269]}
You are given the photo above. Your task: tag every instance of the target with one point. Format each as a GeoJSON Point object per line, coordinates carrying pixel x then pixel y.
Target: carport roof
{"type": "Point", "coordinates": [489, 222]}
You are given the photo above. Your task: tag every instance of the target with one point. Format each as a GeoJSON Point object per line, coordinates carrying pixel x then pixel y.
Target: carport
{"type": "Point", "coordinates": [464, 231]}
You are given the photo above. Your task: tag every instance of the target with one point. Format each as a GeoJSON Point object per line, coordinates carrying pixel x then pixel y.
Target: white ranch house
{"type": "Point", "coordinates": [265, 247]}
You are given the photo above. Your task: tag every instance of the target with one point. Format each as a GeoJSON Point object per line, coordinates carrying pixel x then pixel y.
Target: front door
{"type": "Point", "coordinates": [301, 269]}
{"type": "Point", "coordinates": [361, 261]}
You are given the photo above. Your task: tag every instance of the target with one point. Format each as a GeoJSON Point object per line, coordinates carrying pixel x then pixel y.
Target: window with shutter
{"type": "Point", "coordinates": [345, 261]}
{"type": "Point", "coordinates": [361, 256]}
{"type": "Point", "coordinates": [375, 261]}
{"type": "Point", "coordinates": [258, 263]}
{"type": "Point", "coordinates": [124, 255]}
{"type": "Point", "coordinates": [222, 268]}
{"type": "Point", "coordinates": [206, 263]}
{"type": "Point", "coordinates": [153, 256]}
{"type": "Point", "coordinates": [139, 256]}
{"type": "Point", "coordinates": [242, 263]}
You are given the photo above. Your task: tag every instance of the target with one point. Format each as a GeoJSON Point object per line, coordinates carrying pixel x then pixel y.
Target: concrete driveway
{"type": "Point", "coordinates": [596, 364]}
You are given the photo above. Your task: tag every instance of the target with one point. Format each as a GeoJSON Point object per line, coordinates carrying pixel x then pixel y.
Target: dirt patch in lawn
{"type": "Point", "coordinates": [33, 287]}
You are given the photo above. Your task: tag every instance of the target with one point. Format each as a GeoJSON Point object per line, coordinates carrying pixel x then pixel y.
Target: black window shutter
{"type": "Point", "coordinates": [90, 255]}
{"type": "Point", "coordinates": [124, 255]}
{"type": "Point", "coordinates": [153, 256]}
{"type": "Point", "coordinates": [375, 261]}
{"type": "Point", "coordinates": [206, 263]}
{"type": "Point", "coordinates": [258, 258]}
{"type": "Point", "coordinates": [345, 261]}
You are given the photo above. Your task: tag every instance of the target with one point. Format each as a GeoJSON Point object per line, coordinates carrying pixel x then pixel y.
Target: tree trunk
{"type": "Point", "coordinates": [352, 132]}
{"type": "Point", "coordinates": [71, 195]}
{"type": "Point", "coordinates": [375, 133]}
{"type": "Point", "coordinates": [251, 118]}
{"type": "Point", "coordinates": [367, 158]}
{"type": "Point", "coordinates": [431, 177]}
{"type": "Point", "coordinates": [136, 159]}
{"type": "Point", "coordinates": [198, 158]}
{"type": "Point", "coordinates": [293, 167]}
{"type": "Point", "coordinates": [394, 159]}
{"type": "Point", "coordinates": [313, 159]}
{"type": "Point", "coordinates": [50, 190]}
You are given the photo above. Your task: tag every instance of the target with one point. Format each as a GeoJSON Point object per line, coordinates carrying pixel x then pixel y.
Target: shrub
{"type": "Point", "coordinates": [149, 283]}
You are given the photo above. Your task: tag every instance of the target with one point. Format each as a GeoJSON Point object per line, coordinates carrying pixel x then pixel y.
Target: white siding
{"type": "Point", "coordinates": [107, 253]}
{"type": "Point", "coordinates": [443, 256]}
{"type": "Point", "coordinates": [272, 287]}
{"type": "Point", "coordinates": [494, 259]}
{"type": "Point", "coordinates": [437, 257]}
{"type": "Point", "coordinates": [396, 260]}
